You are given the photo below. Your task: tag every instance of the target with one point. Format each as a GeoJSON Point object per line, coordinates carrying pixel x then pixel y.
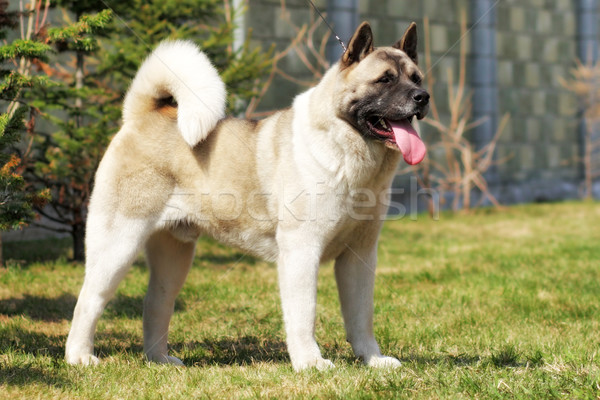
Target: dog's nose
{"type": "Point", "coordinates": [421, 97]}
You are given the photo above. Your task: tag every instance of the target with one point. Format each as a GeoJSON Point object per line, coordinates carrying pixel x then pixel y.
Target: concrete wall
{"type": "Point", "coordinates": [535, 45]}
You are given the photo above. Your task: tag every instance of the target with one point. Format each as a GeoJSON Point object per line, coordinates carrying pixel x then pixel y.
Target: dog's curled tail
{"type": "Point", "coordinates": [178, 74]}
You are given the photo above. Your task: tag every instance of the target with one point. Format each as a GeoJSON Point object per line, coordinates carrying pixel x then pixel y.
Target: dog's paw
{"type": "Point", "coordinates": [324, 364]}
{"type": "Point", "coordinates": [319, 363]}
{"type": "Point", "coordinates": [383, 362]}
{"type": "Point", "coordinates": [82, 359]}
{"type": "Point", "coordinates": [165, 359]}
{"type": "Point", "coordinates": [174, 361]}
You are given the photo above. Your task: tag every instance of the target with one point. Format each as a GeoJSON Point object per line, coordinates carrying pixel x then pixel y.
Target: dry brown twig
{"type": "Point", "coordinates": [462, 168]}
{"type": "Point", "coordinates": [585, 83]}
{"type": "Point", "coordinates": [30, 25]}
{"type": "Point", "coordinates": [308, 50]}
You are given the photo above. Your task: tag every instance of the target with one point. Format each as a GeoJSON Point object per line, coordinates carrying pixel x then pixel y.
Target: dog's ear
{"type": "Point", "coordinates": [360, 45]}
{"type": "Point", "coordinates": [408, 42]}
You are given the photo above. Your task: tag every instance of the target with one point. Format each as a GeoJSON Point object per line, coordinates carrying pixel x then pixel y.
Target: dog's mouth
{"type": "Point", "coordinates": [400, 135]}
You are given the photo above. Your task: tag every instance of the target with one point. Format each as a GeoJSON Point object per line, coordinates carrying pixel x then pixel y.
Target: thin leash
{"type": "Point", "coordinates": [327, 23]}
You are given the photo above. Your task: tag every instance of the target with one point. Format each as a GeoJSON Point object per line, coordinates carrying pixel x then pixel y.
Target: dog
{"type": "Point", "coordinates": [308, 184]}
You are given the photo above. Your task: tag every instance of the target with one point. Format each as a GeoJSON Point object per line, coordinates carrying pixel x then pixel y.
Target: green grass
{"type": "Point", "coordinates": [494, 304]}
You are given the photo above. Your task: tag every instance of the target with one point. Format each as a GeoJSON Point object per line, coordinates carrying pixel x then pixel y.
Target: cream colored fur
{"type": "Point", "coordinates": [167, 71]}
{"type": "Point", "coordinates": [283, 189]}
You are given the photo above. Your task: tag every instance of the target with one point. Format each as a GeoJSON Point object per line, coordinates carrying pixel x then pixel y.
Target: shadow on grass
{"type": "Point", "coordinates": [30, 251]}
{"type": "Point", "coordinates": [112, 343]}
{"type": "Point", "coordinates": [123, 306]}
{"type": "Point", "coordinates": [60, 308]}
{"type": "Point", "coordinates": [244, 350]}
{"type": "Point", "coordinates": [24, 341]}
{"type": "Point", "coordinates": [223, 352]}
{"type": "Point", "coordinates": [39, 307]}
{"type": "Point", "coordinates": [506, 356]}
{"type": "Point", "coordinates": [26, 375]}
{"type": "Point", "coordinates": [458, 360]}
{"type": "Point", "coordinates": [228, 351]}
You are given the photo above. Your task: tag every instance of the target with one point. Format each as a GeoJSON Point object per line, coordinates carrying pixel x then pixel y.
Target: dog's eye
{"type": "Point", "coordinates": [415, 78]}
{"type": "Point", "coordinates": [385, 79]}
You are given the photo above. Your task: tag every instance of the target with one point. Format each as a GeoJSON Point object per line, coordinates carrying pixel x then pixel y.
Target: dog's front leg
{"type": "Point", "coordinates": [355, 277]}
{"type": "Point", "coordinates": [298, 267]}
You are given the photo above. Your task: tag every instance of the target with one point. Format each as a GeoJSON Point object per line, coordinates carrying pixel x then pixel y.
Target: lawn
{"type": "Point", "coordinates": [494, 304]}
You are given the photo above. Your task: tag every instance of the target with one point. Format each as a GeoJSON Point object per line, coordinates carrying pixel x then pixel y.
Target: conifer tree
{"type": "Point", "coordinates": [84, 107]}
{"type": "Point", "coordinates": [66, 152]}
{"type": "Point", "coordinates": [16, 205]}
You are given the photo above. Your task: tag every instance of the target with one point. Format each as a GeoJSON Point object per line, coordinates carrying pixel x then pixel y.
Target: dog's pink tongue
{"type": "Point", "coordinates": [408, 140]}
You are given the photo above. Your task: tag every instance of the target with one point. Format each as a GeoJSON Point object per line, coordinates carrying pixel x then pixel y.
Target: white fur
{"type": "Point", "coordinates": [105, 246]}
{"type": "Point", "coordinates": [179, 68]}
{"type": "Point", "coordinates": [308, 191]}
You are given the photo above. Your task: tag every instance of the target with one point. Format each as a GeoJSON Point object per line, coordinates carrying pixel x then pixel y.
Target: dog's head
{"type": "Point", "coordinates": [382, 91]}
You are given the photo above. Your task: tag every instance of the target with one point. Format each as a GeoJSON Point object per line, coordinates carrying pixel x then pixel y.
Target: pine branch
{"type": "Point", "coordinates": [28, 49]}
{"type": "Point", "coordinates": [81, 35]}
{"type": "Point", "coordinates": [13, 82]}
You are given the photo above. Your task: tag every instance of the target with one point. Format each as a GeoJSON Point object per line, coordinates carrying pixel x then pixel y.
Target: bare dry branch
{"type": "Point", "coordinates": [463, 167]}
{"type": "Point", "coordinates": [303, 46]}
{"type": "Point", "coordinates": [585, 84]}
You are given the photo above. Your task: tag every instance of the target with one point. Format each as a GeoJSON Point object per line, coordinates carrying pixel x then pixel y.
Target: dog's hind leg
{"type": "Point", "coordinates": [110, 250]}
{"type": "Point", "coordinates": [355, 276]}
{"type": "Point", "coordinates": [169, 261]}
